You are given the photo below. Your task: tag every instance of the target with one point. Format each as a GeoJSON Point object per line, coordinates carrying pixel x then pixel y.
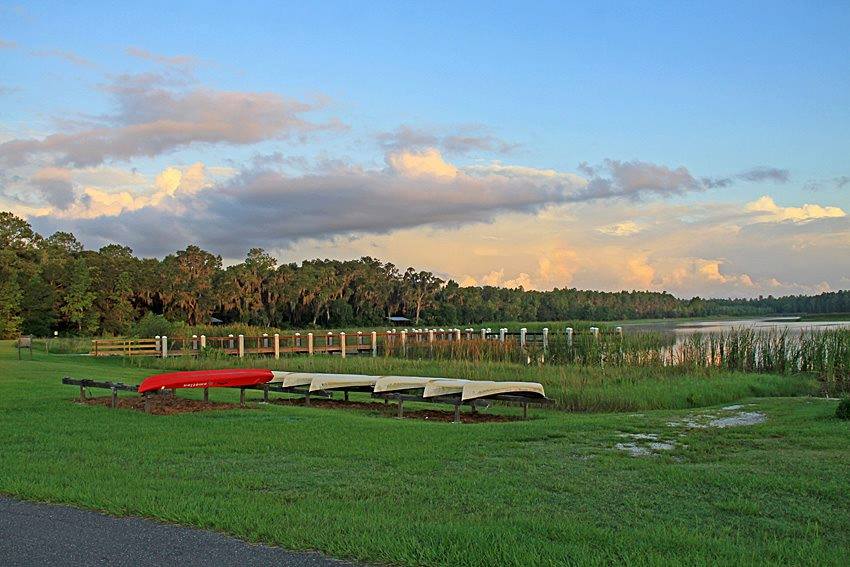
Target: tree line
{"type": "Point", "coordinates": [52, 284]}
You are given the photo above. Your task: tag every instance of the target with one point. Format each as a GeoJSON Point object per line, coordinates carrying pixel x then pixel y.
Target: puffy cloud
{"type": "Point", "coordinates": [152, 120]}
{"type": "Point", "coordinates": [428, 163]}
{"type": "Point", "coordinates": [765, 209]}
{"type": "Point", "coordinates": [55, 186]}
{"type": "Point", "coordinates": [633, 179]}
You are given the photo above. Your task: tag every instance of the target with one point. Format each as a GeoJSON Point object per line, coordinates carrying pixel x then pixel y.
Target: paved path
{"type": "Point", "coordinates": [44, 534]}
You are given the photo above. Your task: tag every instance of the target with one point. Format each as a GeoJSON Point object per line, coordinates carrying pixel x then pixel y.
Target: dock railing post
{"type": "Point", "coordinates": [157, 338]}
{"type": "Point", "coordinates": [265, 340]}
{"type": "Point", "coordinates": [374, 343]}
{"type": "Point", "coordinates": [404, 342]}
{"type": "Point", "coordinates": [595, 332]}
{"type": "Point", "coordinates": [203, 342]}
{"type": "Point", "coordinates": [545, 339]}
{"type": "Point", "coordinates": [164, 348]}
{"type": "Point", "coordinates": [502, 332]}
{"type": "Point", "coordinates": [457, 334]}
{"type": "Point", "coordinates": [569, 331]}
{"type": "Point", "coordinates": [194, 342]}
{"type": "Point", "coordinates": [483, 334]}
{"type": "Point", "coordinates": [522, 333]}
{"type": "Point", "coordinates": [277, 345]}
{"type": "Point", "coordinates": [342, 343]}
{"type": "Point", "coordinates": [310, 344]}
{"type": "Point", "coordinates": [241, 344]}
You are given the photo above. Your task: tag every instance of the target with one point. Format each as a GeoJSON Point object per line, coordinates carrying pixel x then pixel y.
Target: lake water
{"type": "Point", "coordinates": [792, 324]}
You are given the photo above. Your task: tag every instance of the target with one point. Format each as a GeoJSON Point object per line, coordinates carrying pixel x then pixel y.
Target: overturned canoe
{"type": "Point", "coordinates": [292, 379]}
{"type": "Point", "coordinates": [436, 388]}
{"type": "Point", "coordinates": [230, 378]}
{"type": "Point", "coordinates": [477, 389]}
{"type": "Point", "coordinates": [402, 383]}
{"type": "Point", "coordinates": [326, 382]}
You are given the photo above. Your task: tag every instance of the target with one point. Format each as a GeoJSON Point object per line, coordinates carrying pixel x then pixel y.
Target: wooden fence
{"type": "Point", "coordinates": [343, 344]}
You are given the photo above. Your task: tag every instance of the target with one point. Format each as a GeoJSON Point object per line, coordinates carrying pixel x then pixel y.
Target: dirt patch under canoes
{"type": "Point", "coordinates": [161, 405]}
{"type": "Point", "coordinates": [391, 410]}
{"type": "Point", "coordinates": [170, 405]}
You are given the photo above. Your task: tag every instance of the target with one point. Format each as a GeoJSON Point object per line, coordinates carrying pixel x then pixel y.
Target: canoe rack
{"type": "Point", "coordinates": [115, 387]}
{"type": "Point", "coordinates": [398, 397]}
{"type": "Point", "coordinates": [457, 402]}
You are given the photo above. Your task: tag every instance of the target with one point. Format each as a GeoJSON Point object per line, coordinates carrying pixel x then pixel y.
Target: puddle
{"type": "Point", "coordinates": [639, 446]}
{"type": "Point", "coordinates": [706, 420]}
{"type": "Point", "coordinates": [743, 418]}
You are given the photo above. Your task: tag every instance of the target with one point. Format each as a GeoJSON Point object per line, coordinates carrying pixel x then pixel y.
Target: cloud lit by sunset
{"type": "Point", "coordinates": [540, 171]}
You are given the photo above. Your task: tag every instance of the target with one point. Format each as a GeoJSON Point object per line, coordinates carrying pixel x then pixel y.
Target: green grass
{"type": "Point", "coordinates": [551, 490]}
{"type": "Point", "coordinates": [573, 388]}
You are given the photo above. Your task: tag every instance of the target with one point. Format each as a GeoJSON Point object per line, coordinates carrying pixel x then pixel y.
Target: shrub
{"type": "Point", "coordinates": [843, 409]}
{"type": "Point", "coordinates": [152, 325]}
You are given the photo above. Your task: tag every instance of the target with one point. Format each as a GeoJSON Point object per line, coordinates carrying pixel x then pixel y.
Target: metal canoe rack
{"type": "Point", "coordinates": [113, 386]}
{"type": "Point", "coordinates": [457, 402]}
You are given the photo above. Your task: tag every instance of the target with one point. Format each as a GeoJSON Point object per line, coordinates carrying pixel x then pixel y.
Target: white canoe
{"type": "Point", "coordinates": [401, 383]}
{"type": "Point", "coordinates": [292, 379]}
{"type": "Point", "coordinates": [436, 388]}
{"type": "Point", "coordinates": [476, 389]}
{"type": "Point", "coordinates": [341, 381]}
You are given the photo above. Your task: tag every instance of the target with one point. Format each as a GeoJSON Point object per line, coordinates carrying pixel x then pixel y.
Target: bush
{"type": "Point", "coordinates": [152, 325]}
{"type": "Point", "coordinates": [843, 409]}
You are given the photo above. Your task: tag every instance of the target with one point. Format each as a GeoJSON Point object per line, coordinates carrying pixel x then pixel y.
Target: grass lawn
{"type": "Point", "coordinates": [551, 490]}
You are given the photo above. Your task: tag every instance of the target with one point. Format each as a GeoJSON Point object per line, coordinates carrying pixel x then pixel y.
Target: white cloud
{"type": "Point", "coordinates": [765, 209]}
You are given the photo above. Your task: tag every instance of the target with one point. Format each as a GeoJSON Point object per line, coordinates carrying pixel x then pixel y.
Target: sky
{"type": "Point", "coordinates": [696, 148]}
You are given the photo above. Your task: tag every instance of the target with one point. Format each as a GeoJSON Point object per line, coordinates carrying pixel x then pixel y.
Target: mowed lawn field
{"type": "Point", "coordinates": [365, 486]}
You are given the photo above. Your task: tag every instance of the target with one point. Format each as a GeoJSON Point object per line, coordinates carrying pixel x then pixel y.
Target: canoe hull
{"type": "Point", "coordinates": [231, 378]}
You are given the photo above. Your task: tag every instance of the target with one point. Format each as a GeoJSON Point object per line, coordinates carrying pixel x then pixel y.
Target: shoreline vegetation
{"type": "Point", "coordinates": [52, 283]}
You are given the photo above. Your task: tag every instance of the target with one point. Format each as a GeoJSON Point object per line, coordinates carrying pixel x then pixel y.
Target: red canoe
{"type": "Point", "coordinates": [206, 379]}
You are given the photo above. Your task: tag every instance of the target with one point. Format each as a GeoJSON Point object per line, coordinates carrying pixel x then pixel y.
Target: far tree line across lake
{"type": "Point", "coordinates": [53, 283]}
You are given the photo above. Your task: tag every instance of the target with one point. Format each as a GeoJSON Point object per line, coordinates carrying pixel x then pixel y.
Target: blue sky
{"type": "Point", "coordinates": [715, 88]}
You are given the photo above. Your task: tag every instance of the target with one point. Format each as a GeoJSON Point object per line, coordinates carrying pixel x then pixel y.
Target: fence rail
{"type": "Point", "coordinates": [340, 343]}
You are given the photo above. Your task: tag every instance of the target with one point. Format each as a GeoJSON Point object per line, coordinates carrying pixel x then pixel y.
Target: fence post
{"type": "Point", "coordinates": [374, 343]}
{"type": "Point", "coordinates": [545, 339]}
{"type": "Point", "coordinates": [164, 348]}
{"type": "Point", "coordinates": [457, 334]}
{"type": "Point", "coordinates": [359, 339]}
{"type": "Point", "coordinates": [522, 333]}
{"type": "Point", "coordinates": [158, 343]}
{"type": "Point", "coordinates": [619, 330]}
{"type": "Point", "coordinates": [404, 342]}
{"type": "Point", "coordinates": [277, 345]}
{"type": "Point", "coordinates": [342, 343]}
{"type": "Point", "coordinates": [230, 342]}
{"type": "Point", "coordinates": [430, 335]}
{"type": "Point", "coordinates": [569, 331]}
{"type": "Point", "coordinates": [310, 344]}
{"type": "Point", "coordinates": [502, 332]}
{"type": "Point", "coordinates": [595, 332]}
{"type": "Point", "coordinates": [265, 340]}
{"type": "Point", "coordinates": [194, 342]}
{"type": "Point", "coordinates": [483, 334]}
{"type": "Point", "coordinates": [241, 346]}
{"type": "Point", "coordinates": [203, 342]}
